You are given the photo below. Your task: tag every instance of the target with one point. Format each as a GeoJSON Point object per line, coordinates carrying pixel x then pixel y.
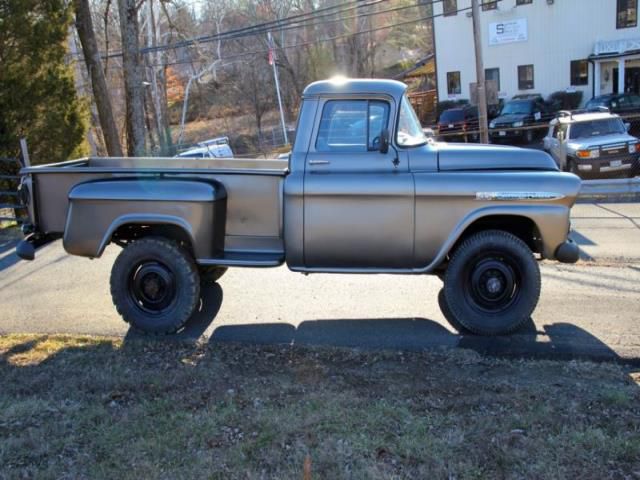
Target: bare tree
{"type": "Point", "coordinates": [84, 26]}
{"type": "Point", "coordinates": [133, 78]}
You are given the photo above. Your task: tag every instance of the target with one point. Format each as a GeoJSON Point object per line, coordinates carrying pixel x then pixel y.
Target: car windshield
{"type": "Point", "coordinates": [192, 155]}
{"type": "Point", "coordinates": [594, 128]}
{"type": "Point", "coordinates": [597, 102]}
{"type": "Point", "coordinates": [518, 107]}
{"type": "Point", "coordinates": [410, 132]}
{"type": "Point", "coordinates": [454, 115]}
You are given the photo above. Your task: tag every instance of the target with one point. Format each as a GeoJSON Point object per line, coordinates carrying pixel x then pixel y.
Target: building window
{"type": "Point", "coordinates": [493, 74]}
{"type": "Point", "coordinates": [627, 14]}
{"type": "Point", "coordinates": [525, 77]}
{"type": "Point", "coordinates": [524, 2]}
{"type": "Point", "coordinates": [450, 7]}
{"type": "Point", "coordinates": [579, 72]}
{"type": "Point", "coordinates": [454, 86]}
{"type": "Point", "coordinates": [486, 5]}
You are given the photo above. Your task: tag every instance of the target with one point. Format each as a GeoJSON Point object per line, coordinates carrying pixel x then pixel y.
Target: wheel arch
{"type": "Point", "coordinates": [541, 227]}
{"type": "Point", "coordinates": [518, 225]}
{"type": "Point", "coordinates": [132, 227]}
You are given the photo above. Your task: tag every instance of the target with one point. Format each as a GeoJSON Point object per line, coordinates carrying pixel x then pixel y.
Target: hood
{"type": "Point", "coordinates": [511, 118]}
{"type": "Point", "coordinates": [463, 156]}
{"type": "Point", "coordinates": [600, 141]}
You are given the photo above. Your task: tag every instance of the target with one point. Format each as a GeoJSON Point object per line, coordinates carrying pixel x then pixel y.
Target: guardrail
{"type": "Point", "coordinates": [9, 189]}
{"type": "Point", "coordinates": [614, 190]}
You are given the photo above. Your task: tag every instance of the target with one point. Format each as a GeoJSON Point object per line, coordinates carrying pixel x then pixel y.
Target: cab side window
{"type": "Point", "coordinates": [351, 125]}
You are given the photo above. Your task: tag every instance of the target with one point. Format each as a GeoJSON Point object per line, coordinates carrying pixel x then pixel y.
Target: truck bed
{"type": "Point", "coordinates": [254, 192]}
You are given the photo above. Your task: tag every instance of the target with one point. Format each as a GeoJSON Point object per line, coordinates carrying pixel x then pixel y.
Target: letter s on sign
{"type": "Point", "coordinates": [500, 29]}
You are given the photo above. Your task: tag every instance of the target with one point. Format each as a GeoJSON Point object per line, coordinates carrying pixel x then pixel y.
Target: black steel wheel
{"type": "Point", "coordinates": [155, 285]}
{"type": "Point", "coordinates": [492, 284]}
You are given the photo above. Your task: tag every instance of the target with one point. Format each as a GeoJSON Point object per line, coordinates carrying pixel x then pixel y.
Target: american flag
{"type": "Point", "coordinates": [272, 50]}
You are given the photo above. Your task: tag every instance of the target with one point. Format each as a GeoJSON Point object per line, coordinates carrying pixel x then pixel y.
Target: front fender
{"type": "Point", "coordinates": [97, 209]}
{"type": "Point", "coordinates": [552, 222]}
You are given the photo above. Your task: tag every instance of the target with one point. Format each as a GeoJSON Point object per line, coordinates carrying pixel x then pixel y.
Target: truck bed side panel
{"type": "Point", "coordinates": [254, 195]}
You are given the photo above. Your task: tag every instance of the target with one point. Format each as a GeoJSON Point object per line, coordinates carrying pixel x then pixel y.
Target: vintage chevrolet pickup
{"type": "Point", "coordinates": [363, 191]}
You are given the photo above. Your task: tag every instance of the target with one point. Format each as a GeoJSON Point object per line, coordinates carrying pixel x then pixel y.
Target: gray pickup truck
{"type": "Point", "coordinates": [363, 191]}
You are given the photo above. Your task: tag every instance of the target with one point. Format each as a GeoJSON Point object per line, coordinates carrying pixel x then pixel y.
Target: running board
{"type": "Point", "coordinates": [245, 259]}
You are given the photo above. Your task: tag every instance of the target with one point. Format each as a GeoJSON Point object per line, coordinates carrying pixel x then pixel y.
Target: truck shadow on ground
{"type": "Point", "coordinates": [563, 341]}
{"type": "Point", "coordinates": [559, 341]}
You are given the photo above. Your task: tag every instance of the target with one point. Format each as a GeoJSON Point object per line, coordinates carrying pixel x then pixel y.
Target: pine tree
{"type": "Point", "coordinates": [38, 100]}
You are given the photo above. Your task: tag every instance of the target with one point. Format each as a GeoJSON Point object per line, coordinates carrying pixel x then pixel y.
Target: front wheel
{"type": "Point", "coordinates": [155, 285]}
{"type": "Point", "coordinates": [492, 284]}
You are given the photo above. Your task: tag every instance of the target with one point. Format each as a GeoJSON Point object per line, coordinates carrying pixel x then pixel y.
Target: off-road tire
{"type": "Point", "coordinates": [169, 259]}
{"type": "Point", "coordinates": [211, 274]}
{"type": "Point", "coordinates": [488, 261]}
{"type": "Point", "coordinates": [446, 313]}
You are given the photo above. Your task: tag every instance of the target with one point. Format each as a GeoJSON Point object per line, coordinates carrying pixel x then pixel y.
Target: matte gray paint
{"type": "Point", "coordinates": [353, 212]}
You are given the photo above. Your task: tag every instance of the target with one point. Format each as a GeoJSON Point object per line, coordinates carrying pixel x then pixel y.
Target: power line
{"type": "Point", "coordinates": [323, 40]}
{"type": "Point", "coordinates": [274, 25]}
{"type": "Point", "coordinates": [288, 23]}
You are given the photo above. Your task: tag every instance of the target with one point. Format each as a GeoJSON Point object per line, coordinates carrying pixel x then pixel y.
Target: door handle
{"type": "Point", "coordinates": [319, 162]}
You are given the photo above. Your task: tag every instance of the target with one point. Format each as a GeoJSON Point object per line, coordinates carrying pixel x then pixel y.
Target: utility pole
{"type": "Point", "coordinates": [272, 61]}
{"type": "Point", "coordinates": [480, 81]}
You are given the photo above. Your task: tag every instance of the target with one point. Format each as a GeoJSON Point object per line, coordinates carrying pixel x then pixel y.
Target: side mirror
{"type": "Point", "coordinates": [384, 140]}
{"type": "Point", "coordinates": [627, 126]}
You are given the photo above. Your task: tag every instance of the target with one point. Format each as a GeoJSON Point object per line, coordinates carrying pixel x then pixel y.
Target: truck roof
{"type": "Point", "coordinates": [364, 86]}
{"type": "Point", "coordinates": [585, 117]}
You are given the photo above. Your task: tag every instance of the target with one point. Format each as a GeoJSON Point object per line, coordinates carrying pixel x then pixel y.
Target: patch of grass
{"type": "Point", "coordinates": [78, 407]}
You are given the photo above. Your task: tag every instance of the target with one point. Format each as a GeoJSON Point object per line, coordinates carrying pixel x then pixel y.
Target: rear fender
{"type": "Point", "coordinates": [98, 209]}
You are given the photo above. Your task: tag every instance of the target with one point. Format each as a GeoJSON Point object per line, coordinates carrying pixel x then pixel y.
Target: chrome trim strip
{"type": "Point", "coordinates": [518, 196]}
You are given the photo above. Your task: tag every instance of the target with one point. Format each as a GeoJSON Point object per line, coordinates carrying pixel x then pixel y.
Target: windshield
{"type": "Point", "coordinates": [597, 102]}
{"type": "Point", "coordinates": [410, 131]}
{"type": "Point", "coordinates": [518, 107]}
{"type": "Point", "coordinates": [455, 115]}
{"type": "Point", "coordinates": [594, 128]}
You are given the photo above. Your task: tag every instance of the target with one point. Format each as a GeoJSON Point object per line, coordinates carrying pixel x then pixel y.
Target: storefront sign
{"type": "Point", "coordinates": [510, 31]}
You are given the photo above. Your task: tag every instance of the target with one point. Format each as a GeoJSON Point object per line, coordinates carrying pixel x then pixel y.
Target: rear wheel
{"type": "Point", "coordinates": [155, 285]}
{"type": "Point", "coordinates": [492, 284]}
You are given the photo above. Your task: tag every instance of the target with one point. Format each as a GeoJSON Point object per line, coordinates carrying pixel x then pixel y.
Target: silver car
{"type": "Point", "coordinates": [592, 144]}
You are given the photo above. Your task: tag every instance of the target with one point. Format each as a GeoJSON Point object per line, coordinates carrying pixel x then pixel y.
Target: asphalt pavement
{"type": "Point", "coordinates": [588, 310]}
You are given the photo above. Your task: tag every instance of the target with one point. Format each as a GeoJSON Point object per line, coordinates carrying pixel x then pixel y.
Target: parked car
{"type": "Point", "coordinates": [215, 148]}
{"type": "Point", "coordinates": [519, 118]}
{"type": "Point", "coordinates": [378, 199]}
{"type": "Point", "coordinates": [621, 103]}
{"type": "Point", "coordinates": [592, 144]}
{"type": "Point", "coordinates": [459, 123]}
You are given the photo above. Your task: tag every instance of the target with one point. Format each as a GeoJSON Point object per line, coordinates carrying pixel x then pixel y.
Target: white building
{"type": "Point", "coordinates": [540, 46]}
